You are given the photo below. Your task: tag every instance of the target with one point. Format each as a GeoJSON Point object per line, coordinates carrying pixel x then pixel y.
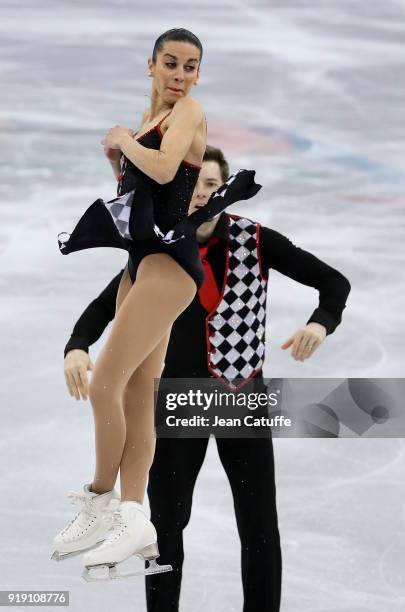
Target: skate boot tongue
{"type": "Point", "coordinates": [113, 504]}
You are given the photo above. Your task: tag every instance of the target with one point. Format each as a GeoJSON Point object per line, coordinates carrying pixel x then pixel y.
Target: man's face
{"type": "Point", "coordinates": [208, 181]}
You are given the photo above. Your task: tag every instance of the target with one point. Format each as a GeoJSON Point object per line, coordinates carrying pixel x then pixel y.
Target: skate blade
{"type": "Point", "coordinates": [113, 573]}
{"type": "Point", "coordinates": [57, 556]}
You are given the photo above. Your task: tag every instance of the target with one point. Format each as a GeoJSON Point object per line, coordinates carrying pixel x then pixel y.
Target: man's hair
{"type": "Point", "coordinates": [216, 155]}
{"type": "Point", "coordinates": [176, 35]}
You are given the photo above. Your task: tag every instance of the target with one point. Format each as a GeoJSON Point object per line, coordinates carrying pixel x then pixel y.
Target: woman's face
{"type": "Point", "coordinates": [176, 70]}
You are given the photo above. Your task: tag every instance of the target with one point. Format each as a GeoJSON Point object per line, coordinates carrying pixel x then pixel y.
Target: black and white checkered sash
{"type": "Point", "coordinates": [130, 217]}
{"type": "Point", "coordinates": [236, 329]}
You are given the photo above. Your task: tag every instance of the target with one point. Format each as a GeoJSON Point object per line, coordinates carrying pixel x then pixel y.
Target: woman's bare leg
{"type": "Point", "coordinates": [140, 442]}
{"type": "Point", "coordinates": [160, 294]}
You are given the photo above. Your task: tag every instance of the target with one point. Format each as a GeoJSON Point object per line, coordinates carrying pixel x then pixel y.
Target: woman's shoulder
{"type": "Point", "coordinates": [188, 104]}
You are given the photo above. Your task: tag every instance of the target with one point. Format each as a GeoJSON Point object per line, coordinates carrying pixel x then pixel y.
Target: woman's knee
{"type": "Point", "coordinates": [140, 385]}
{"type": "Point", "coordinates": [143, 379]}
{"type": "Point", "coordinates": [101, 392]}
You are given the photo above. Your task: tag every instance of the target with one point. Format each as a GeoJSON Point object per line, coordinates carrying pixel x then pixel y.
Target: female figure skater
{"type": "Point", "coordinates": [157, 171]}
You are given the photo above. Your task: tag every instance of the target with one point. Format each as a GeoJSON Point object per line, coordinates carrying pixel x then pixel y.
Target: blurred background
{"type": "Point", "coordinates": [311, 95]}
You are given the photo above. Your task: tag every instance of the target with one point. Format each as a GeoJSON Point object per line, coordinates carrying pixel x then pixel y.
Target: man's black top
{"type": "Point", "coordinates": [187, 350]}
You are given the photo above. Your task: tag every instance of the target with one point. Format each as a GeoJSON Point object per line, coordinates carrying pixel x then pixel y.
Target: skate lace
{"type": "Point", "coordinates": [86, 502]}
{"type": "Point", "coordinates": [117, 527]}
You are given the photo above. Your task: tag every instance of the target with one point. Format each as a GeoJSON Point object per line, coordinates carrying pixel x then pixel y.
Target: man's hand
{"type": "Point", "coordinates": [76, 365]}
{"type": "Point", "coordinates": [305, 341]}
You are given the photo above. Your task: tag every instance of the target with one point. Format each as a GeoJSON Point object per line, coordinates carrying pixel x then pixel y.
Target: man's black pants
{"type": "Point", "coordinates": [249, 465]}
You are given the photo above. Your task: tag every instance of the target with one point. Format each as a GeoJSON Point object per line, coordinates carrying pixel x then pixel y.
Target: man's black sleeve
{"type": "Point", "coordinates": [279, 253]}
{"type": "Point", "coordinates": [93, 321]}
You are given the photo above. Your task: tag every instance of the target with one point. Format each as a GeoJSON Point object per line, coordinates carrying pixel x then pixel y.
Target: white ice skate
{"type": "Point", "coordinates": [89, 527]}
{"type": "Point", "coordinates": [132, 533]}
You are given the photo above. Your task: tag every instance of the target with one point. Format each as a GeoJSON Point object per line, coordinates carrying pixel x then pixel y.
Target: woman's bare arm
{"type": "Point", "coordinates": [162, 165]}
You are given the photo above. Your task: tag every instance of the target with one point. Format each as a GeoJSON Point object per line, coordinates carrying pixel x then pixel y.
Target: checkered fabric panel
{"type": "Point", "coordinates": [239, 324]}
{"type": "Point", "coordinates": [120, 210]}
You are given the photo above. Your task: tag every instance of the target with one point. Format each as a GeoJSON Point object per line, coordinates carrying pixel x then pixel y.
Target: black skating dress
{"type": "Point", "coordinates": [147, 217]}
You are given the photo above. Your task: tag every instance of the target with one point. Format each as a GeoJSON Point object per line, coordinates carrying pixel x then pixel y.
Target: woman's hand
{"type": "Point", "coordinates": [111, 141]}
{"type": "Point", "coordinates": [305, 341]}
{"type": "Point", "coordinates": [76, 364]}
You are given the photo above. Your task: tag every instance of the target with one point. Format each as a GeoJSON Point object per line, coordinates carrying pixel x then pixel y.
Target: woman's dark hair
{"type": "Point", "coordinates": [216, 155]}
{"type": "Point", "coordinates": [177, 35]}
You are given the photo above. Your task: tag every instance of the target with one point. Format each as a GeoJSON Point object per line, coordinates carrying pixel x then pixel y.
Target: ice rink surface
{"type": "Point", "coordinates": [311, 95]}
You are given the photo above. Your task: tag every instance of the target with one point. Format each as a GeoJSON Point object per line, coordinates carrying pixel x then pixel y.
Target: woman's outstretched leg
{"type": "Point", "coordinates": [160, 294]}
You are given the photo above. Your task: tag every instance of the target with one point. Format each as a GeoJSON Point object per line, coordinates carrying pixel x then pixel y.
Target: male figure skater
{"type": "Point", "coordinates": [192, 352]}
